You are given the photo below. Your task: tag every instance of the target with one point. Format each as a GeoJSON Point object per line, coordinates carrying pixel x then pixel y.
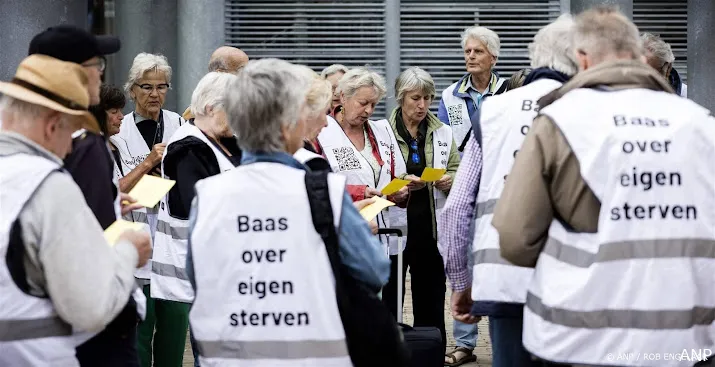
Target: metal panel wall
{"type": "Point", "coordinates": [430, 34]}
{"type": "Point", "coordinates": [316, 33]}
{"type": "Point", "coordinates": [669, 19]}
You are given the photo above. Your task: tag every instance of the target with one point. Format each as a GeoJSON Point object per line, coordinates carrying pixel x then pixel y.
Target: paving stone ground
{"type": "Point", "coordinates": [483, 350]}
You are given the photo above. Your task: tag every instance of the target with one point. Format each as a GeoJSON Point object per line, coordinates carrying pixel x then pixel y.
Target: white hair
{"type": "Point", "coordinates": [21, 113]}
{"type": "Point", "coordinates": [658, 48]}
{"type": "Point", "coordinates": [360, 78]}
{"type": "Point", "coordinates": [604, 32]}
{"type": "Point", "coordinates": [320, 92]}
{"type": "Point", "coordinates": [211, 92]}
{"type": "Point", "coordinates": [332, 69]}
{"type": "Point", "coordinates": [485, 35]}
{"type": "Point", "coordinates": [552, 47]}
{"type": "Point", "coordinates": [143, 63]}
{"type": "Point", "coordinates": [266, 95]}
{"type": "Point", "coordinates": [413, 79]}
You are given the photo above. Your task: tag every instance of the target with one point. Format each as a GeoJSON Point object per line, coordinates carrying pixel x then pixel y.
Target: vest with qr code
{"type": "Point", "coordinates": [346, 160]}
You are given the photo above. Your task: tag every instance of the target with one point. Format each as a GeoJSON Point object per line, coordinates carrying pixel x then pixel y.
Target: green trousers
{"type": "Point", "coordinates": [170, 320]}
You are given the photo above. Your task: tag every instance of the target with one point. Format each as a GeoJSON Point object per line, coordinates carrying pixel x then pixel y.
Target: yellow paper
{"type": "Point", "coordinates": [117, 228]}
{"type": "Point", "coordinates": [372, 210]}
{"type": "Point", "coordinates": [149, 190]}
{"type": "Point", "coordinates": [432, 174]}
{"type": "Point", "coordinates": [394, 186]}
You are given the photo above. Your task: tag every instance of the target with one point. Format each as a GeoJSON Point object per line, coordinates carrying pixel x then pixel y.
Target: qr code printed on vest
{"type": "Point", "coordinates": [346, 159]}
{"type": "Point", "coordinates": [454, 113]}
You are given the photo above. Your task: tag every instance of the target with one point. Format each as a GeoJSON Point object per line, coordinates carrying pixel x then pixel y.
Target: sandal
{"type": "Point", "coordinates": [467, 357]}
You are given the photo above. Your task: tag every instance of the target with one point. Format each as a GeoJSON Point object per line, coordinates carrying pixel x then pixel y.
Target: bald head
{"type": "Point", "coordinates": [227, 59]}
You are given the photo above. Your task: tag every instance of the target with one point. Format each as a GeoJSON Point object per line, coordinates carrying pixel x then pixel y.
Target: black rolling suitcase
{"type": "Point", "coordinates": [424, 343]}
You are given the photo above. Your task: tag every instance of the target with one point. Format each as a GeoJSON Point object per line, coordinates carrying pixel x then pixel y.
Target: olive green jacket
{"type": "Point", "coordinates": [433, 123]}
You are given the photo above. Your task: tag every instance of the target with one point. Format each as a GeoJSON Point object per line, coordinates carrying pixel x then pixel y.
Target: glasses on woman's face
{"type": "Point", "coordinates": [100, 64]}
{"type": "Point", "coordinates": [148, 88]}
{"type": "Point", "coordinates": [414, 151]}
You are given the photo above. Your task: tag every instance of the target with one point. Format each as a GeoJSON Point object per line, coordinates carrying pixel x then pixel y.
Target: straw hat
{"type": "Point", "coordinates": [55, 84]}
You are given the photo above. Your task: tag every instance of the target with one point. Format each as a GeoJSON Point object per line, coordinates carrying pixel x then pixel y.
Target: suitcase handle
{"type": "Point", "coordinates": [394, 231]}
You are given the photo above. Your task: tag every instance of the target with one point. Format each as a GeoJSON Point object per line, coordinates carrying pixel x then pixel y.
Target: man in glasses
{"type": "Point", "coordinates": [92, 168]}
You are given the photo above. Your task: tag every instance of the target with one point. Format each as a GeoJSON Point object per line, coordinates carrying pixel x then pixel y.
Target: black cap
{"type": "Point", "coordinates": [72, 44]}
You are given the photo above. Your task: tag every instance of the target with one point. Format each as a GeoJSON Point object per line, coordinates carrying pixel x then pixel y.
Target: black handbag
{"type": "Point", "coordinates": [372, 334]}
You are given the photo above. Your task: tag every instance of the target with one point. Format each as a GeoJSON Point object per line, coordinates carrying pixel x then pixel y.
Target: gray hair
{"type": "Point", "coordinates": [211, 92]}
{"type": "Point", "coordinates": [320, 92]}
{"type": "Point", "coordinates": [552, 47]}
{"type": "Point", "coordinates": [25, 114]}
{"type": "Point", "coordinates": [413, 79]}
{"type": "Point", "coordinates": [359, 78]}
{"type": "Point", "coordinates": [266, 95]}
{"type": "Point", "coordinates": [485, 35]}
{"type": "Point", "coordinates": [604, 32]}
{"type": "Point", "coordinates": [143, 63]}
{"type": "Point", "coordinates": [332, 69]}
{"type": "Point", "coordinates": [658, 48]}
{"type": "Point", "coordinates": [218, 64]}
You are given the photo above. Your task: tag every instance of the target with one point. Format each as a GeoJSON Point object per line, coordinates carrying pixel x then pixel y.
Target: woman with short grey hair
{"type": "Point", "coordinates": [333, 74]}
{"type": "Point", "coordinates": [141, 142]}
{"type": "Point", "coordinates": [425, 143]}
{"type": "Point", "coordinates": [267, 205]}
{"type": "Point", "coordinates": [364, 151]}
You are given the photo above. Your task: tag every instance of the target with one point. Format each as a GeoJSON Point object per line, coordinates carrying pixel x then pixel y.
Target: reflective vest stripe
{"type": "Point", "coordinates": [628, 250]}
{"type": "Point", "coordinates": [486, 208]}
{"type": "Point", "coordinates": [276, 349]}
{"type": "Point", "coordinates": [175, 231]}
{"type": "Point", "coordinates": [168, 270]}
{"type": "Point", "coordinates": [622, 318]}
{"type": "Point", "coordinates": [13, 330]}
{"type": "Point", "coordinates": [489, 256]}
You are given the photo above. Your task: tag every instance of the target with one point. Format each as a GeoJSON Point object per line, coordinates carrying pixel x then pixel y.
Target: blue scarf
{"type": "Point", "coordinates": [546, 73]}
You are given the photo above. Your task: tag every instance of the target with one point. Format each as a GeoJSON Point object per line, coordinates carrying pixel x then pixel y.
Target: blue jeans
{"type": "Point", "coordinates": [465, 335]}
{"type": "Point", "coordinates": [507, 348]}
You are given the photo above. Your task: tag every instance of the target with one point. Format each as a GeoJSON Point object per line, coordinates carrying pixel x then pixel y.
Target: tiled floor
{"type": "Point", "coordinates": [483, 351]}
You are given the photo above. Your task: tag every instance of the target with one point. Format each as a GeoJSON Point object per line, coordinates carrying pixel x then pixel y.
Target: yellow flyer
{"type": "Point", "coordinates": [371, 211]}
{"type": "Point", "coordinates": [432, 174]}
{"type": "Point", "coordinates": [394, 186]}
{"type": "Point", "coordinates": [149, 190]}
{"type": "Point", "coordinates": [113, 232]}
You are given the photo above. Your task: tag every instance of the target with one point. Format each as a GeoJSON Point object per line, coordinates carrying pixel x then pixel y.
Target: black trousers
{"type": "Point", "coordinates": [428, 283]}
{"type": "Point", "coordinates": [116, 345]}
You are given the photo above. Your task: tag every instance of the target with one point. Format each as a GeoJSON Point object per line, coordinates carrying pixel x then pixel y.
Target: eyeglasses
{"type": "Point", "coordinates": [414, 152]}
{"type": "Point", "coordinates": [100, 64]}
{"type": "Point", "coordinates": [148, 88]}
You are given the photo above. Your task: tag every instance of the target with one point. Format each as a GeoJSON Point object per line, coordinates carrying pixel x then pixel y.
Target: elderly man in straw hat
{"type": "Point", "coordinates": [60, 276]}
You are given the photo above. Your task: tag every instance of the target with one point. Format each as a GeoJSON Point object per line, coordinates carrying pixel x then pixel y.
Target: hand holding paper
{"type": "Point", "coordinates": [112, 233]}
{"type": "Point", "coordinates": [432, 174]}
{"type": "Point", "coordinates": [371, 211]}
{"type": "Point", "coordinates": [394, 186]}
{"type": "Point", "coordinates": [149, 190]}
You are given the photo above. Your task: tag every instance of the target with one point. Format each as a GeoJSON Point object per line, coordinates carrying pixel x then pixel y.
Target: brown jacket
{"type": "Point", "coordinates": [546, 182]}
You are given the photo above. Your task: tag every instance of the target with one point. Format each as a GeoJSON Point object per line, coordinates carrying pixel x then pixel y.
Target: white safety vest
{"type": "Point", "coordinates": [505, 119]}
{"type": "Point", "coordinates": [265, 289]}
{"type": "Point", "coordinates": [457, 111]}
{"type": "Point", "coordinates": [346, 160]}
{"type": "Point", "coordinates": [132, 151]}
{"type": "Point", "coordinates": [644, 283]}
{"type": "Point", "coordinates": [168, 263]}
{"type": "Point", "coordinates": [442, 146]}
{"type": "Point", "coordinates": [304, 156]}
{"type": "Point", "coordinates": [31, 332]}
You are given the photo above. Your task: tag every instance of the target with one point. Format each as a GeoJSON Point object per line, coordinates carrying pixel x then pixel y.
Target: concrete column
{"type": "Point", "coordinates": [578, 6]}
{"type": "Point", "coordinates": [23, 19]}
{"type": "Point", "coordinates": [146, 26]}
{"type": "Point", "coordinates": [701, 52]}
{"type": "Point", "coordinates": [201, 31]}
{"type": "Point", "coordinates": [392, 51]}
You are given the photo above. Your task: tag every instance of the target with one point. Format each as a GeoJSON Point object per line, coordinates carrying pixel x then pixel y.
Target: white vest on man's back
{"type": "Point", "coordinates": [505, 119]}
{"type": "Point", "coordinates": [31, 331]}
{"type": "Point", "coordinates": [265, 291]}
{"type": "Point", "coordinates": [644, 283]}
